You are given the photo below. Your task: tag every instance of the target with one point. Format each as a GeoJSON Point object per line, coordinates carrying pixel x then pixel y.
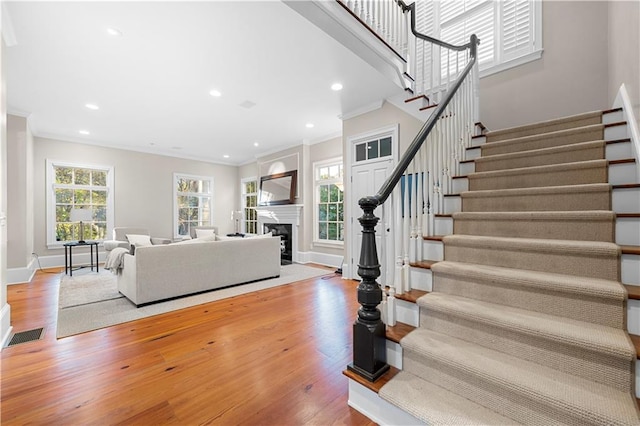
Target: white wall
{"type": "Point", "coordinates": [143, 186]}
{"type": "Point", "coordinates": [570, 78]}
{"type": "Point", "coordinates": [5, 309]}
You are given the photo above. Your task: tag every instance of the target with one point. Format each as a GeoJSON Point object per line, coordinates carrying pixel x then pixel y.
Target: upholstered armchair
{"type": "Point", "coordinates": [120, 238]}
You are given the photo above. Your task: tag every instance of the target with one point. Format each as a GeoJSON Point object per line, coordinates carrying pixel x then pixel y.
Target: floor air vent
{"type": "Point", "coordinates": [26, 336]}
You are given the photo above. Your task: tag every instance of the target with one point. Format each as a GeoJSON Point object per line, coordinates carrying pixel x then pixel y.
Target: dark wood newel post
{"type": "Point", "coordinates": [369, 341]}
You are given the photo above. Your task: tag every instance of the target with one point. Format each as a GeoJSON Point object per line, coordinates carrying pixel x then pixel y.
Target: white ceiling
{"type": "Point", "coordinates": [152, 83]}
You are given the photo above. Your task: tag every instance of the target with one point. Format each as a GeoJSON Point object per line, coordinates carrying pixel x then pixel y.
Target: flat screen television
{"type": "Point", "coordinates": [278, 189]}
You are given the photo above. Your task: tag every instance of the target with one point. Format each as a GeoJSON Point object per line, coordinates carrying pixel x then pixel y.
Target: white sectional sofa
{"type": "Point", "coordinates": [162, 272]}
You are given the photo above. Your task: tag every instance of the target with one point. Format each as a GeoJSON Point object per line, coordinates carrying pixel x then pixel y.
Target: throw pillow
{"type": "Point", "coordinates": [139, 240]}
{"type": "Point", "coordinates": [205, 233]}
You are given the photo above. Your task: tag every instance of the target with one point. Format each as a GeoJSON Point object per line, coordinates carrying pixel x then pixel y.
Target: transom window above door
{"type": "Point", "coordinates": [377, 148]}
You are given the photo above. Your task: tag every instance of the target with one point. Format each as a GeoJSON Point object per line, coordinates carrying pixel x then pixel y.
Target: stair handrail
{"type": "Point", "coordinates": [369, 336]}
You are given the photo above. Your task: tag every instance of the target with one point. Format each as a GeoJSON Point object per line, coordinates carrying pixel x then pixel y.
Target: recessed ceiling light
{"type": "Point", "coordinates": [114, 32]}
{"type": "Point", "coordinates": [92, 106]}
{"type": "Point", "coordinates": [256, 144]}
{"type": "Point", "coordinates": [215, 93]}
{"type": "Point", "coordinates": [336, 86]}
{"type": "Point", "coordinates": [84, 132]}
{"type": "Point", "coordinates": [225, 156]}
{"type": "Point", "coordinates": [309, 125]}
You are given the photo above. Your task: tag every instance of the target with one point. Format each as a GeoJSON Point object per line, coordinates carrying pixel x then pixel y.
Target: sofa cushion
{"type": "Point", "coordinates": [139, 240]}
{"type": "Point", "coordinates": [200, 233]}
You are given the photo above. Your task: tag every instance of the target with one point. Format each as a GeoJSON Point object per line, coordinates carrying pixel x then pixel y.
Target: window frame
{"type": "Point", "coordinates": [317, 182]}
{"type": "Point", "coordinates": [243, 203]}
{"type": "Point", "coordinates": [176, 207]}
{"type": "Point", "coordinates": [51, 184]}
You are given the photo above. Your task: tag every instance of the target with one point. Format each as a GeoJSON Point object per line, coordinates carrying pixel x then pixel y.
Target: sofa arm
{"type": "Point", "coordinates": [111, 244]}
{"type": "Point", "coordinates": [159, 241]}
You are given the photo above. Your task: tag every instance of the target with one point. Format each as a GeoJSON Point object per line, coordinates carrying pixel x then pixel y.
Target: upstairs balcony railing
{"type": "Point", "coordinates": [418, 183]}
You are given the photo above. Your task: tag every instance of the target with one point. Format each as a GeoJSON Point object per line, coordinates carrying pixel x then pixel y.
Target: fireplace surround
{"type": "Point", "coordinates": [270, 218]}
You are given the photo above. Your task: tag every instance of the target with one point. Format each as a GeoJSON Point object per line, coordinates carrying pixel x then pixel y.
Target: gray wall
{"type": "Point", "coordinates": [624, 51]}
{"type": "Point", "coordinates": [20, 192]}
{"type": "Point", "coordinates": [5, 309]}
{"type": "Point", "coordinates": [570, 78]}
{"type": "Point", "coordinates": [143, 186]}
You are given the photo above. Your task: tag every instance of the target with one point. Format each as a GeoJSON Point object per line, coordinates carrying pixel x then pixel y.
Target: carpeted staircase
{"type": "Point", "coordinates": [527, 319]}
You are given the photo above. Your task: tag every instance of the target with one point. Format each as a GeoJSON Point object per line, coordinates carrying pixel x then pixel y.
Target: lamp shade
{"type": "Point", "coordinates": [81, 215]}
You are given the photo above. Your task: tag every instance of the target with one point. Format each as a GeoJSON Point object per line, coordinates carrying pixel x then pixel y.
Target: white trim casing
{"type": "Point", "coordinates": [5, 325]}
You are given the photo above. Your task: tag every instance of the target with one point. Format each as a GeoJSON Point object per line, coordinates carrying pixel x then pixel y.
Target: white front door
{"type": "Point", "coordinates": [366, 180]}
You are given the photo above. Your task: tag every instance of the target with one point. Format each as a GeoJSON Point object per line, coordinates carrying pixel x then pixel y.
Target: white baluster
{"type": "Point", "coordinates": [391, 308]}
{"type": "Point", "coordinates": [397, 238]}
{"type": "Point", "coordinates": [384, 308]}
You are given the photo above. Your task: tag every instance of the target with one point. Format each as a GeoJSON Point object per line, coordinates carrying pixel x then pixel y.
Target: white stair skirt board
{"type": "Point", "coordinates": [637, 378]}
{"type": "Point", "coordinates": [433, 250]}
{"type": "Point", "coordinates": [478, 141]}
{"type": "Point", "coordinates": [613, 117]}
{"type": "Point", "coordinates": [616, 132]}
{"type": "Point", "coordinates": [473, 153]}
{"type": "Point", "coordinates": [407, 312]}
{"type": "Point", "coordinates": [421, 279]}
{"type": "Point", "coordinates": [376, 408]}
{"type": "Point", "coordinates": [633, 316]}
{"type": "Point", "coordinates": [626, 200]}
{"type": "Point", "coordinates": [460, 185]}
{"type": "Point", "coordinates": [443, 226]}
{"type": "Point", "coordinates": [628, 231]}
{"type": "Point", "coordinates": [394, 354]}
{"type": "Point", "coordinates": [5, 324]}
{"type": "Point", "coordinates": [620, 174]}
{"type": "Point", "coordinates": [630, 266]}
{"type": "Point", "coordinates": [467, 168]}
{"type": "Point", "coordinates": [454, 204]}
{"type": "Point", "coordinates": [618, 151]}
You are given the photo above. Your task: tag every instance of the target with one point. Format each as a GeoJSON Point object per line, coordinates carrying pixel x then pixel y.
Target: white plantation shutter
{"type": "Point", "coordinates": [517, 28]}
{"type": "Point", "coordinates": [481, 22]}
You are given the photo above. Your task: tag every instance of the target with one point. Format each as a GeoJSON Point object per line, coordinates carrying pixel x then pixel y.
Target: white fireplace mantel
{"type": "Point", "coordinates": [283, 213]}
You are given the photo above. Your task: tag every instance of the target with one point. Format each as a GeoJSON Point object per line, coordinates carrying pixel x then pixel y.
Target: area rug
{"type": "Point", "coordinates": [92, 301]}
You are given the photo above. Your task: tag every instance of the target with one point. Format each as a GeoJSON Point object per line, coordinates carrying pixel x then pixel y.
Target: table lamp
{"type": "Point", "coordinates": [81, 215]}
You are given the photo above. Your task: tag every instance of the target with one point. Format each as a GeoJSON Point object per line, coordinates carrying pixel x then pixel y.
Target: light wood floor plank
{"type": "Point", "coordinates": [270, 357]}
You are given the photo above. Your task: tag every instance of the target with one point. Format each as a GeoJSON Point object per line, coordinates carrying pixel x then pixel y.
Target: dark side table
{"type": "Point", "coordinates": [68, 254]}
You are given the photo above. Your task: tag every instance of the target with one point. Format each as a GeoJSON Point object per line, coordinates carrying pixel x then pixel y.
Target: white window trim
{"type": "Point", "coordinates": [51, 200]}
{"type": "Point", "coordinates": [243, 199]}
{"type": "Point", "coordinates": [326, 243]}
{"type": "Point", "coordinates": [175, 198]}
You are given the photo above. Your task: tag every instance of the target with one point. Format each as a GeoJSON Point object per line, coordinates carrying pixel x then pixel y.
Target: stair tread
{"type": "Point", "coordinates": [411, 296]}
{"type": "Point", "coordinates": [593, 248]}
{"type": "Point", "coordinates": [636, 343]}
{"type": "Point", "coordinates": [572, 215]}
{"type": "Point", "coordinates": [540, 151]}
{"type": "Point", "coordinates": [424, 264]}
{"type": "Point", "coordinates": [630, 250]}
{"type": "Point", "coordinates": [545, 135]}
{"type": "Point", "coordinates": [579, 165]}
{"type": "Point", "coordinates": [395, 333]}
{"type": "Point", "coordinates": [594, 287]}
{"type": "Point", "coordinates": [584, 398]}
{"type": "Point", "coordinates": [441, 407]}
{"type": "Point", "coordinates": [373, 386]}
{"type": "Point", "coordinates": [538, 190]}
{"type": "Point", "coordinates": [633, 291]}
{"type": "Point", "coordinates": [546, 123]}
{"type": "Point", "coordinates": [580, 334]}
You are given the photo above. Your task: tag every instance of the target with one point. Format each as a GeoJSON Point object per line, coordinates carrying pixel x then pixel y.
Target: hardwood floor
{"type": "Point", "coordinates": [270, 357]}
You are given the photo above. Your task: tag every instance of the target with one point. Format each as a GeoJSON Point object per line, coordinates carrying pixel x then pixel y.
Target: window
{"type": "Point", "coordinates": [78, 186]}
{"type": "Point", "coordinates": [510, 31]}
{"type": "Point", "coordinates": [329, 201]}
{"type": "Point", "coordinates": [192, 202]}
{"type": "Point", "coordinates": [249, 203]}
{"type": "Point", "coordinates": [370, 150]}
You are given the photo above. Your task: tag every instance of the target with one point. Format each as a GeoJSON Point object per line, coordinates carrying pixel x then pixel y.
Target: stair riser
{"type": "Point", "coordinates": [523, 408]}
{"type": "Point", "coordinates": [394, 354]}
{"type": "Point", "coordinates": [628, 231]}
{"type": "Point", "coordinates": [626, 200]}
{"type": "Point", "coordinates": [421, 279]}
{"type": "Point", "coordinates": [630, 269]}
{"type": "Point", "coordinates": [619, 151]}
{"type": "Point", "coordinates": [620, 174]}
{"type": "Point", "coordinates": [452, 204]}
{"type": "Point", "coordinates": [538, 202]}
{"type": "Point", "coordinates": [553, 353]}
{"type": "Point", "coordinates": [555, 262]}
{"type": "Point", "coordinates": [544, 141]}
{"type": "Point", "coordinates": [467, 168]}
{"type": "Point", "coordinates": [407, 312]}
{"type": "Point", "coordinates": [478, 141]}
{"type": "Point", "coordinates": [633, 317]}
{"type": "Point", "coordinates": [593, 309]}
{"type": "Point", "coordinates": [518, 133]}
{"type": "Point", "coordinates": [443, 226]}
{"type": "Point", "coordinates": [542, 158]}
{"type": "Point", "coordinates": [587, 230]}
{"type": "Point", "coordinates": [432, 250]}
{"type": "Point", "coordinates": [531, 178]}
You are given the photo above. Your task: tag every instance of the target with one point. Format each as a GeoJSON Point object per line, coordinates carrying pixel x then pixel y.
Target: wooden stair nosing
{"type": "Point", "coordinates": [372, 386]}
{"type": "Point", "coordinates": [433, 237]}
{"type": "Point", "coordinates": [630, 249]}
{"type": "Point", "coordinates": [397, 332]}
{"type": "Point", "coordinates": [608, 111]}
{"type": "Point", "coordinates": [633, 291]}
{"type": "Point", "coordinates": [423, 264]}
{"type": "Point", "coordinates": [623, 161]}
{"type": "Point", "coordinates": [478, 136]}
{"type": "Point", "coordinates": [415, 98]}
{"type": "Point", "coordinates": [411, 296]}
{"type": "Point", "coordinates": [617, 141]}
{"type": "Point", "coordinates": [626, 186]}
{"type": "Point", "coordinates": [449, 215]}
{"type": "Point", "coordinates": [636, 342]}
{"type": "Point", "coordinates": [617, 123]}
{"type": "Point", "coordinates": [428, 107]}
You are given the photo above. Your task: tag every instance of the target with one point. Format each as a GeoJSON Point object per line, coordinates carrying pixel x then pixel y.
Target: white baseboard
{"type": "Point", "coordinates": [320, 258]}
{"type": "Point", "coordinates": [21, 275]}
{"type": "Point", "coordinates": [5, 324]}
{"type": "Point", "coordinates": [53, 261]}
